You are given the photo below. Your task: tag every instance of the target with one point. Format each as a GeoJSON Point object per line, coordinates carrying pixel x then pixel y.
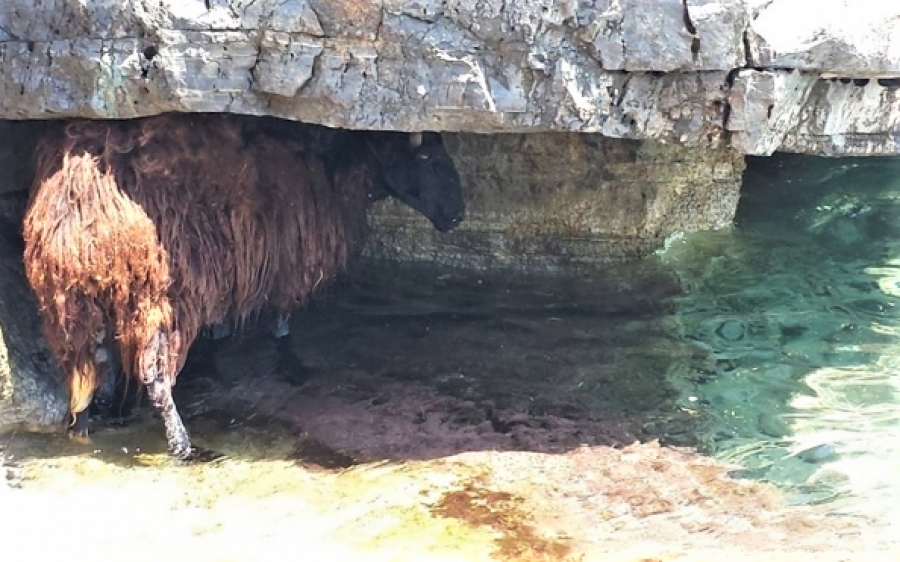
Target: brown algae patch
{"type": "Point", "coordinates": [503, 513]}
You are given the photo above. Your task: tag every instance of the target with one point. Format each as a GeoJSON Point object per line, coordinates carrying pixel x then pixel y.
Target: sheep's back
{"type": "Point", "coordinates": [81, 230]}
{"type": "Point", "coordinates": [313, 227]}
{"type": "Point", "coordinates": [203, 211]}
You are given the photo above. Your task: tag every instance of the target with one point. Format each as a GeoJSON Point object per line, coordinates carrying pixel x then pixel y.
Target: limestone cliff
{"type": "Point", "coordinates": [797, 75]}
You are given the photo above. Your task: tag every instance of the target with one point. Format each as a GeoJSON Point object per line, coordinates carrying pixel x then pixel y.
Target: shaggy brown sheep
{"type": "Point", "coordinates": [139, 233]}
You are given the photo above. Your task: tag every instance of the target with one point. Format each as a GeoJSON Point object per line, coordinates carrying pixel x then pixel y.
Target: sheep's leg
{"type": "Point", "coordinates": [155, 376]}
{"type": "Point", "coordinates": [84, 379]}
{"type": "Point", "coordinates": [116, 397]}
{"type": "Point", "coordinates": [281, 329]}
{"type": "Point", "coordinates": [85, 397]}
{"type": "Point", "coordinates": [107, 371]}
{"type": "Point", "coordinates": [288, 365]}
{"type": "Point", "coordinates": [79, 429]}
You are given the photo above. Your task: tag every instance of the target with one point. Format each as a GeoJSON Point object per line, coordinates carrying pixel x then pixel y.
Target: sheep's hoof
{"type": "Point", "coordinates": [181, 450]}
{"type": "Point", "coordinates": [82, 438]}
{"type": "Point", "coordinates": [290, 368]}
{"type": "Point", "coordinates": [78, 431]}
{"type": "Point", "coordinates": [199, 455]}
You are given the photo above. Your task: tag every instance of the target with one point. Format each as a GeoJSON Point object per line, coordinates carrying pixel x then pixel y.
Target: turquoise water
{"type": "Point", "coordinates": [773, 345]}
{"type": "Point", "coordinates": [797, 311]}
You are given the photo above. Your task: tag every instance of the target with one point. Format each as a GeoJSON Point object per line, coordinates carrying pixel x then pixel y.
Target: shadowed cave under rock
{"type": "Point", "coordinates": [707, 343]}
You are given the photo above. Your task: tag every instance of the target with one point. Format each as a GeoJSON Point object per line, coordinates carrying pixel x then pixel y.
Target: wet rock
{"type": "Point", "coordinates": [639, 503]}
{"type": "Point", "coordinates": [817, 454]}
{"type": "Point", "coordinates": [13, 477]}
{"type": "Point", "coordinates": [556, 201]}
{"type": "Point", "coordinates": [30, 391]}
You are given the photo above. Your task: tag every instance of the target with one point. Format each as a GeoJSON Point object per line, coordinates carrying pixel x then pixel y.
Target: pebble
{"type": "Point", "coordinates": [13, 478]}
{"type": "Point", "coordinates": [731, 330]}
{"type": "Point", "coordinates": [817, 454]}
{"type": "Point", "coordinates": [12, 475]}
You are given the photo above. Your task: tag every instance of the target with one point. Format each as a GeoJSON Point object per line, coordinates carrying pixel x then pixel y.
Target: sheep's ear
{"type": "Point", "coordinates": [415, 140]}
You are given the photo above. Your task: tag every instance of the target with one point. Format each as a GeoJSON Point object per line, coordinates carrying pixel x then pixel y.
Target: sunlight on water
{"type": "Point", "coordinates": [799, 310]}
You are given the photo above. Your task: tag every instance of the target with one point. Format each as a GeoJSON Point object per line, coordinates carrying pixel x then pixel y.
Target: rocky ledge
{"type": "Point", "coordinates": [813, 76]}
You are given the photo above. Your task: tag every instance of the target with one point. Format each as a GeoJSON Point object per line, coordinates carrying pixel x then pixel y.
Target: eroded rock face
{"type": "Point", "coordinates": [463, 65]}
{"type": "Point", "coordinates": [31, 391]}
{"type": "Point", "coordinates": [683, 71]}
{"type": "Point", "coordinates": [558, 201]}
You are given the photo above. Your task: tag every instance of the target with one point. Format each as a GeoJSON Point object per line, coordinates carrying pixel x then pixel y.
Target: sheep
{"type": "Point", "coordinates": [140, 233]}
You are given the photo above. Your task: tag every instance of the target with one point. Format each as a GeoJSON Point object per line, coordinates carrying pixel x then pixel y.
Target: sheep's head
{"type": "Point", "coordinates": [416, 169]}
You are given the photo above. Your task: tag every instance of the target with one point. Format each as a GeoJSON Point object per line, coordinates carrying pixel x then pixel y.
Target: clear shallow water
{"type": "Point", "coordinates": [774, 345]}
{"type": "Point", "coordinates": [799, 310]}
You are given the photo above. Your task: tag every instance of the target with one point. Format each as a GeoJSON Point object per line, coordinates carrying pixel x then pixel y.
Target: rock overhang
{"type": "Point", "coordinates": [812, 76]}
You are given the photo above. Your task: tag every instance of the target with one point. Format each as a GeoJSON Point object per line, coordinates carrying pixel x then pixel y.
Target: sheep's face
{"type": "Point", "coordinates": [417, 170]}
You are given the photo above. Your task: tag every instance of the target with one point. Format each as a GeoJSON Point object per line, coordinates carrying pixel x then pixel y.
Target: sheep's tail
{"type": "Point", "coordinates": [81, 387]}
{"type": "Point", "coordinates": [82, 384]}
